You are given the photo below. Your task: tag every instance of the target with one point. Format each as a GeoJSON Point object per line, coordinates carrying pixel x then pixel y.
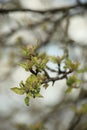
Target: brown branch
{"type": "Point", "coordinates": [46, 73]}
{"type": "Point", "coordinates": [52, 70]}
{"type": "Point", "coordinates": [57, 78]}
{"type": "Point", "coordinates": [77, 120]}
{"type": "Point", "coordinates": [52, 10]}
{"type": "Point", "coordinates": [51, 32]}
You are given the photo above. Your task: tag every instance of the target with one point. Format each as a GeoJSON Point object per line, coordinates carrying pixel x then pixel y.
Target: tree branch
{"type": "Point", "coordinates": [58, 77]}
{"type": "Point", "coordinates": [52, 10]}
{"type": "Point", "coordinates": [75, 123]}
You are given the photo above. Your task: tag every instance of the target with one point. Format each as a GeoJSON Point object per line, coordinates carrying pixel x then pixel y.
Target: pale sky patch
{"type": "Point", "coordinates": [78, 29]}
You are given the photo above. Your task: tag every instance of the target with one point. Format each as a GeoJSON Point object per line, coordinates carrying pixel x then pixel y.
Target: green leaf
{"type": "Point", "coordinates": [24, 65]}
{"type": "Point", "coordinates": [39, 95]}
{"type": "Point", "coordinates": [83, 109]}
{"type": "Point", "coordinates": [26, 100]}
{"type": "Point", "coordinates": [34, 47]}
{"type": "Point", "coordinates": [53, 59]}
{"type": "Point", "coordinates": [82, 70]}
{"type": "Point", "coordinates": [44, 62]}
{"type": "Point", "coordinates": [68, 90]}
{"type": "Point", "coordinates": [42, 56]}
{"type": "Point", "coordinates": [72, 81]}
{"type": "Point", "coordinates": [60, 59]}
{"type": "Point", "coordinates": [57, 59]}
{"type": "Point", "coordinates": [46, 86]}
{"type": "Point", "coordinates": [22, 85]}
{"type": "Point", "coordinates": [25, 51]}
{"type": "Point", "coordinates": [71, 65]}
{"type": "Point", "coordinates": [20, 91]}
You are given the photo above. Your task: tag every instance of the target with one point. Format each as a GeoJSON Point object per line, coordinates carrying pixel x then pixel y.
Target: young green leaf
{"type": "Point", "coordinates": [24, 65]}
{"type": "Point", "coordinates": [25, 51]}
{"type": "Point", "coordinates": [69, 64]}
{"type": "Point", "coordinates": [68, 90]}
{"type": "Point", "coordinates": [39, 95]}
{"type": "Point", "coordinates": [46, 86]}
{"type": "Point", "coordinates": [53, 59]}
{"type": "Point", "coordinates": [83, 70]}
{"type": "Point", "coordinates": [20, 91]}
{"type": "Point", "coordinates": [72, 81]}
{"type": "Point", "coordinates": [26, 101]}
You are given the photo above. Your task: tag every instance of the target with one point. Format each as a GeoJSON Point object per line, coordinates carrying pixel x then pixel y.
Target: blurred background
{"type": "Point", "coordinates": [55, 24]}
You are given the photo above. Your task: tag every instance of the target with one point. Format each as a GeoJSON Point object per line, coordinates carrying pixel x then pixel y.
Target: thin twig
{"type": "Point", "coordinates": [50, 79]}
{"type": "Point", "coordinates": [52, 70]}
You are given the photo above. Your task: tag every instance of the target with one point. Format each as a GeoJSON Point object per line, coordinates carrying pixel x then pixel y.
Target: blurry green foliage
{"type": "Point", "coordinates": [81, 110]}
{"type": "Point", "coordinates": [37, 126]}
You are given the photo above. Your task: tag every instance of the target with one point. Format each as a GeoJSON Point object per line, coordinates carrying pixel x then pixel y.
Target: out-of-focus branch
{"type": "Point", "coordinates": [53, 30]}
{"type": "Point", "coordinates": [53, 10]}
{"type": "Point", "coordinates": [75, 123]}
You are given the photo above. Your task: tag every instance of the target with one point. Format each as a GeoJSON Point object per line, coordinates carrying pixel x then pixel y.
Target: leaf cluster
{"type": "Point", "coordinates": [36, 63]}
